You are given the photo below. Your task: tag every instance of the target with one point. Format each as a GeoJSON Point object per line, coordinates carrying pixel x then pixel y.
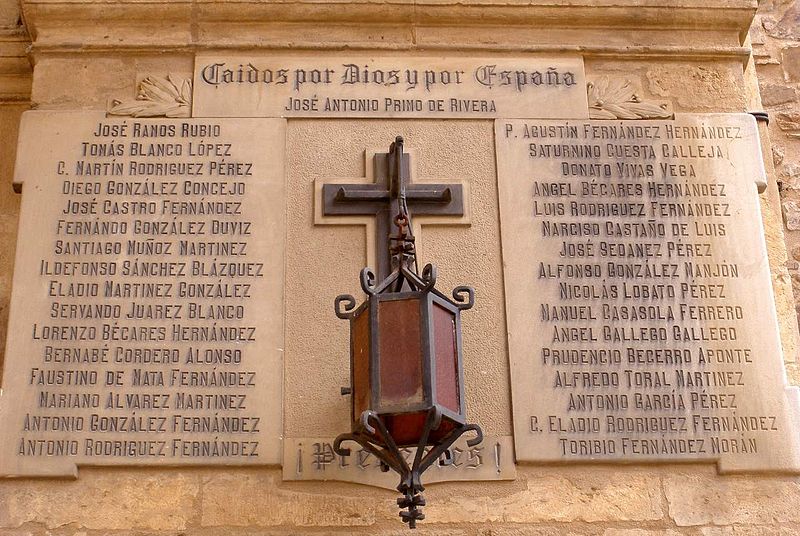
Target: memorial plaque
{"type": "Point", "coordinates": [390, 86]}
{"type": "Point", "coordinates": [146, 321]}
{"type": "Point", "coordinates": [640, 310]}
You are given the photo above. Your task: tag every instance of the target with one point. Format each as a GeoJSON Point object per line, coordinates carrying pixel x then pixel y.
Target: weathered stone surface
{"type": "Point", "coordinates": [791, 215]}
{"type": "Point", "coordinates": [767, 53]}
{"type": "Point", "coordinates": [759, 530]}
{"type": "Point", "coordinates": [390, 530]}
{"type": "Point", "coordinates": [778, 154]}
{"type": "Point", "coordinates": [696, 87]}
{"type": "Point", "coordinates": [12, 532]}
{"type": "Point", "coordinates": [795, 281]}
{"type": "Point", "coordinates": [261, 503]}
{"type": "Point", "coordinates": [789, 123]}
{"type": "Point", "coordinates": [90, 84]}
{"type": "Point", "coordinates": [589, 497]}
{"type": "Point", "coordinates": [709, 499]}
{"type": "Point", "coordinates": [790, 176]}
{"type": "Point", "coordinates": [790, 60]}
{"type": "Point", "coordinates": [9, 215]}
{"type": "Point", "coordinates": [792, 369]}
{"type": "Point", "coordinates": [528, 531]}
{"type": "Point", "coordinates": [102, 500]}
{"type": "Point", "coordinates": [775, 95]}
{"type": "Point", "coordinates": [757, 36]}
{"type": "Point", "coordinates": [223, 23]}
{"type": "Point", "coordinates": [9, 14]}
{"type": "Point", "coordinates": [641, 532]}
{"type": "Point", "coordinates": [764, 57]}
{"type": "Point", "coordinates": [787, 27]}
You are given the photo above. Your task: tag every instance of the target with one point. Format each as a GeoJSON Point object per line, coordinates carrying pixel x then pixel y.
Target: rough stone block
{"type": "Point", "coordinates": [788, 27]}
{"type": "Point", "coordinates": [101, 500]}
{"type": "Point", "coordinates": [778, 154]}
{"type": "Point", "coordinates": [765, 59]}
{"type": "Point", "coordinates": [421, 530]}
{"type": "Point", "coordinates": [790, 60]}
{"type": "Point", "coordinates": [90, 83]}
{"type": "Point", "coordinates": [527, 531]}
{"type": "Point", "coordinates": [697, 88]}
{"type": "Point", "coordinates": [776, 95]}
{"type": "Point", "coordinates": [9, 15]}
{"type": "Point", "coordinates": [791, 215]}
{"type": "Point", "coordinates": [757, 36]}
{"type": "Point", "coordinates": [789, 123]}
{"type": "Point", "coordinates": [759, 530]}
{"type": "Point", "coordinates": [716, 500]}
{"type": "Point", "coordinates": [260, 502]}
{"type": "Point", "coordinates": [790, 176]}
{"type": "Point", "coordinates": [793, 370]}
{"type": "Point", "coordinates": [590, 497]}
{"type": "Point", "coordinates": [11, 532]}
{"type": "Point", "coordinates": [641, 532]}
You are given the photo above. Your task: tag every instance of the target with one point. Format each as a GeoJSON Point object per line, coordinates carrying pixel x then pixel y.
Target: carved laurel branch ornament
{"type": "Point", "coordinates": [158, 97]}
{"type": "Point", "coordinates": [617, 99]}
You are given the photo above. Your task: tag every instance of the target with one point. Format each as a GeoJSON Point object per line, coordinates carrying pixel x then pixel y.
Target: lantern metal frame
{"type": "Point", "coordinates": [441, 425]}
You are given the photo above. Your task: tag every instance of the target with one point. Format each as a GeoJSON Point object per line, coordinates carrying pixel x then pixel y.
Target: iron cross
{"type": "Point", "coordinates": [381, 199]}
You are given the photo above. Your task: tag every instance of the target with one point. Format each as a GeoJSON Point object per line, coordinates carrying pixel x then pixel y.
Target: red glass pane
{"type": "Point", "coordinates": [406, 429]}
{"type": "Point", "coordinates": [446, 359]}
{"type": "Point", "coordinates": [361, 347]}
{"type": "Point", "coordinates": [400, 353]}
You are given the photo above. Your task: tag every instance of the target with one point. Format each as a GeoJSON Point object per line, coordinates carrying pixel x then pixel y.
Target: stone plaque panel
{"type": "Point", "coordinates": [314, 459]}
{"type": "Point", "coordinates": [641, 317]}
{"type": "Point", "coordinates": [146, 321]}
{"type": "Point", "coordinates": [389, 86]}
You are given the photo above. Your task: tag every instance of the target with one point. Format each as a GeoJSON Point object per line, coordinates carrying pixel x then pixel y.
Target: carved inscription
{"type": "Point", "coordinates": [314, 459]}
{"type": "Point", "coordinates": [641, 315]}
{"type": "Point", "coordinates": [363, 86]}
{"type": "Point", "coordinates": [146, 314]}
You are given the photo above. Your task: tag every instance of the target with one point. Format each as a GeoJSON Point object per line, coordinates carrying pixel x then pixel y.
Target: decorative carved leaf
{"type": "Point", "coordinates": [158, 97]}
{"type": "Point", "coordinates": [617, 99]}
{"type": "Point", "coordinates": [186, 91]}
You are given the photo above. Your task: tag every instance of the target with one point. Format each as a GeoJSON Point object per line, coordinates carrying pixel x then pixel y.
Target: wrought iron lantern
{"type": "Point", "coordinates": [406, 373]}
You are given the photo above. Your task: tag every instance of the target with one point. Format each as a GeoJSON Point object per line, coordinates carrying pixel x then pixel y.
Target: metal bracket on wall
{"type": "Point", "coordinates": [761, 116]}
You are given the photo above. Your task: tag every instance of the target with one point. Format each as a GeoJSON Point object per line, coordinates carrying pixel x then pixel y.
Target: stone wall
{"type": "Point", "coordinates": [669, 500]}
{"type": "Point", "coordinates": [544, 500]}
{"type": "Point", "coordinates": [775, 37]}
{"type": "Point", "coordinates": [574, 501]}
{"type": "Point", "coordinates": [15, 90]}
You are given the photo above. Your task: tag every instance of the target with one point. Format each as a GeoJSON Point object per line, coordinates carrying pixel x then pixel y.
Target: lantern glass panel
{"type": "Point", "coordinates": [400, 351]}
{"type": "Point", "coordinates": [445, 348]}
{"type": "Point", "coordinates": [361, 362]}
{"type": "Point", "coordinates": [406, 428]}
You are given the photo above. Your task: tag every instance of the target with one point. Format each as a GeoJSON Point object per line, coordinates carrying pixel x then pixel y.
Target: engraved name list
{"type": "Point", "coordinates": [147, 306]}
{"type": "Point", "coordinates": [640, 306]}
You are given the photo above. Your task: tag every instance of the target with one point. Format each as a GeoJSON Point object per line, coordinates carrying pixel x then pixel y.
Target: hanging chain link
{"type": "Point", "coordinates": [402, 246]}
